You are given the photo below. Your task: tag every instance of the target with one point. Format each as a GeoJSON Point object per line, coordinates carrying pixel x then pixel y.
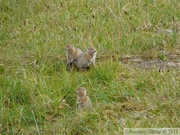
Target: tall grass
{"type": "Point", "coordinates": [37, 93]}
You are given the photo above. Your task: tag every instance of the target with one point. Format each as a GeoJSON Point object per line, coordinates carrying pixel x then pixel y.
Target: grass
{"type": "Point", "coordinates": [37, 93]}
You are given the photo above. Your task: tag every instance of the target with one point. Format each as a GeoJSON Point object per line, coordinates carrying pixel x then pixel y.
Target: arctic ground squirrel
{"type": "Point", "coordinates": [84, 60]}
{"type": "Point", "coordinates": [83, 100]}
{"type": "Point", "coordinates": [72, 53]}
{"type": "Point", "coordinates": [94, 56]}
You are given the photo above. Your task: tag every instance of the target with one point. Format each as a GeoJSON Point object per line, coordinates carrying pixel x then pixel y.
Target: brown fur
{"type": "Point", "coordinates": [84, 60]}
{"type": "Point", "coordinates": [83, 100]}
{"type": "Point", "coordinates": [72, 53]}
{"type": "Point", "coordinates": [94, 56]}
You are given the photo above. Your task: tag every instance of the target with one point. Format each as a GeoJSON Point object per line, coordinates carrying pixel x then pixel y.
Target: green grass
{"type": "Point", "coordinates": [37, 93]}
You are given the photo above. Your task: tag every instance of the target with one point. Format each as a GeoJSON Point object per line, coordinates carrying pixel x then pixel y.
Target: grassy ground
{"type": "Point", "coordinates": [37, 93]}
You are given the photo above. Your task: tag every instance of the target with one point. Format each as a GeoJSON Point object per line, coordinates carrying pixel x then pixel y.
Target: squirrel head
{"type": "Point", "coordinates": [91, 50]}
{"type": "Point", "coordinates": [69, 48]}
{"type": "Point", "coordinates": [81, 91]}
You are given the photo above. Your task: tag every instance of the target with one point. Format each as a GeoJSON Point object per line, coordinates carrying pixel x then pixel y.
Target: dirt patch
{"type": "Point", "coordinates": [150, 64]}
{"type": "Point", "coordinates": [140, 62]}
